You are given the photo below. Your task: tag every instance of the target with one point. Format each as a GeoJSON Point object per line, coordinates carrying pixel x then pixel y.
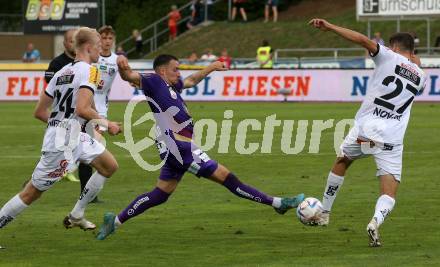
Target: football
{"type": "Point", "coordinates": [308, 209]}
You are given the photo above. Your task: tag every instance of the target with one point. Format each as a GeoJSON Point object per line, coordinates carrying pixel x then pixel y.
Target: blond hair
{"type": "Point", "coordinates": [83, 36]}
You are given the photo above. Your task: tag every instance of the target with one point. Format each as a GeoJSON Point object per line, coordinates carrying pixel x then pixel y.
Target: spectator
{"type": "Point", "coordinates": [238, 4]}
{"type": "Point", "coordinates": [120, 51]}
{"type": "Point", "coordinates": [208, 56]}
{"type": "Point", "coordinates": [137, 36]}
{"type": "Point", "coordinates": [31, 55]}
{"type": "Point", "coordinates": [173, 18]}
{"type": "Point", "coordinates": [225, 58]}
{"type": "Point", "coordinates": [378, 39]}
{"type": "Point", "coordinates": [264, 55]}
{"type": "Point", "coordinates": [192, 59]}
{"type": "Point", "coordinates": [196, 14]}
{"type": "Point", "coordinates": [274, 5]}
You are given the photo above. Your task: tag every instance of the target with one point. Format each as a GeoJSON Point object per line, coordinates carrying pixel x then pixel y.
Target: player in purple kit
{"type": "Point", "coordinates": [175, 142]}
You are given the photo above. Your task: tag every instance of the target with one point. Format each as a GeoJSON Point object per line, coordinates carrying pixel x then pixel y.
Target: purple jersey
{"type": "Point", "coordinates": [166, 99]}
{"type": "Point", "coordinates": [174, 123]}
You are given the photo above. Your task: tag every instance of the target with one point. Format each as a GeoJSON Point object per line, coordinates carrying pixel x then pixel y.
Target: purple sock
{"type": "Point", "coordinates": [142, 203]}
{"type": "Point", "coordinates": [245, 191]}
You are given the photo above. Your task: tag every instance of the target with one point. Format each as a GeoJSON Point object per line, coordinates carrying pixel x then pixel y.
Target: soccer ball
{"type": "Point", "coordinates": [308, 209]}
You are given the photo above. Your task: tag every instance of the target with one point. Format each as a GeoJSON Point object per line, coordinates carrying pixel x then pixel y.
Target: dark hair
{"type": "Point", "coordinates": [265, 43]}
{"type": "Point", "coordinates": [162, 60]}
{"type": "Point", "coordinates": [107, 29]}
{"type": "Point", "coordinates": [404, 40]}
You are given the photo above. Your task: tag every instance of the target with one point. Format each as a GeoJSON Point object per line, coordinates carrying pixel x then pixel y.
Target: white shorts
{"type": "Point", "coordinates": [388, 159]}
{"type": "Point", "coordinates": [53, 165]}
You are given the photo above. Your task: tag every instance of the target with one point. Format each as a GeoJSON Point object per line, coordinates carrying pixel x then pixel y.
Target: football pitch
{"type": "Point", "coordinates": [203, 224]}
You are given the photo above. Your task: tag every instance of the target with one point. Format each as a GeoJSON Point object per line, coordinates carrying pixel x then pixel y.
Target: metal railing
{"type": "Point", "coordinates": [159, 28]}
{"type": "Point", "coordinates": [154, 27]}
{"type": "Point", "coordinates": [333, 51]}
{"type": "Point", "coordinates": [336, 52]}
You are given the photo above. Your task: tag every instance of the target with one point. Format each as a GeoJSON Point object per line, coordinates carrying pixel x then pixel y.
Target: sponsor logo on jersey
{"type": "Point", "coordinates": [103, 67]}
{"type": "Point", "coordinates": [111, 71]}
{"type": "Point", "coordinates": [86, 138]}
{"type": "Point", "coordinates": [100, 85]}
{"type": "Point", "coordinates": [57, 123]}
{"type": "Point", "coordinates": [65, 79]}
{"type": "Point", "coordinates": [94, 76]}
{"type": "Point", "coordinates": [408, 73]}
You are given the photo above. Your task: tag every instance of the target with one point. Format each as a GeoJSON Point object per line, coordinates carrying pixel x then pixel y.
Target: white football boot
{"type": "Point", "coordinates": [373, 233]}
{"type": "Point", "coordinates": [82, 223]}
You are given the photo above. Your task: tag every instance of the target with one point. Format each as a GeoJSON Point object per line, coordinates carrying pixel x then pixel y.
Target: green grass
{"type": "Point", "coordinates": [202, 224]}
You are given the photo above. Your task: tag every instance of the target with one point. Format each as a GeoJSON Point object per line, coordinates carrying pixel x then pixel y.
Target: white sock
{"type": "Point", "coordinates": [384, 206]}
{"type": "Point", "coordinates": [334, 183]}
{"type": "Point", "coordinates": [117, 222]}
{"type": "Point", "coordinates": [91, 190]}
{"type": "Point", "coordinates": [11, 209]}
{"type": "Point", "coordinates": [276, 203]}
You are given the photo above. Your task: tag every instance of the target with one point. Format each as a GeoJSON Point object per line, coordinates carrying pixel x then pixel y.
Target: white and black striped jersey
{"type": "Point", "coordinates": [63, 88]}
{"type": "Point", "coordinates": [385, 111]}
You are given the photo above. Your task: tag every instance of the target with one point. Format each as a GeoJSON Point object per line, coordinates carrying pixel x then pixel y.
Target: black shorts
{"type": "Point", "coordinates": [238, 4]}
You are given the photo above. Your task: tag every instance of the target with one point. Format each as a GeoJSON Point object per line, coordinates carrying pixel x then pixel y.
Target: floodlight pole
{"type": "Point", "coordinates": [229, 9]}
{"type": "Point", "coordinates": [206, 10]}
{"type": "Point", "coordinates": [428, 35]}
{"type": "Point", "coordinates": [103, 12]}
{"type": "Point", "coordinates": [369, 29]}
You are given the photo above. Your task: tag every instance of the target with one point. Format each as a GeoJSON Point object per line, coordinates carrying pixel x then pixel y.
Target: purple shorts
{"type": "Point", "coordinates": [193, 160]}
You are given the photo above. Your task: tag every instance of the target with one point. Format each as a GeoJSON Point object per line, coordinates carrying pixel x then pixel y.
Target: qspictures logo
{"type": "Point", "coordinates": [45, 9]}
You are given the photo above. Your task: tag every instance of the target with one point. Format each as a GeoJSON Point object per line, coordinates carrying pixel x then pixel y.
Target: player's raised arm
{"type": "Point", "coordinates": [196, 77]}
{"type": "Point", "coordinates": [127, 74]}
{"type": "Point", "coordinates": [352, 36]}
{"type": "Point", "coordinates": [85, 109]}
{"type": "Point", "coordinates": [42, 109]}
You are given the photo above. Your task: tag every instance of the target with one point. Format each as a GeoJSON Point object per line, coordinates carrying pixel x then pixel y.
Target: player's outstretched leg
{"type": "Point", "coordinates": [334, 182]}
{"type": "Point", "coordinates": [11, 209]}
{"type": "Point", "coordinates": [233, 184]}
{"type": "Point", "coordinates": [137, 206]}
{"type": "Point", "coordinates": [18, 203]}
